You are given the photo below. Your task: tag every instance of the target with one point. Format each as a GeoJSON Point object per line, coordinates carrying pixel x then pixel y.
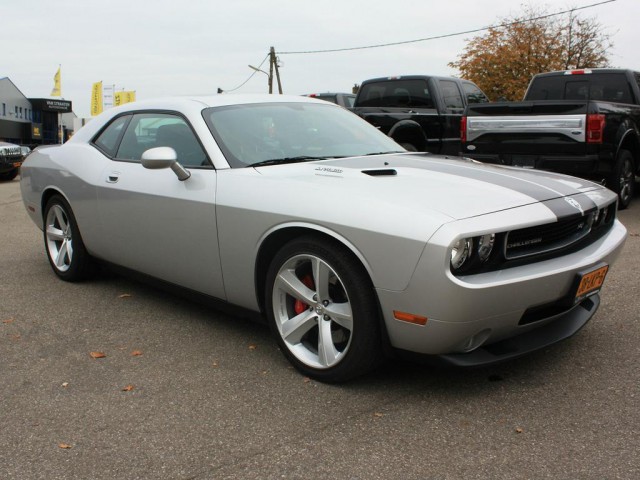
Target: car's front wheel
{"type": "Point", "coordinates": [322, 309]}
{"type": "Point", "coordinates": [65, 250]}
{"type": "Point", "coordinates": [10, 175]}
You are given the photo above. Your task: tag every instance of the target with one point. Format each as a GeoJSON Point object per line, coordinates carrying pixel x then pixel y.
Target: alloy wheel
{"type": "Point", "coordinates": [312, 311]}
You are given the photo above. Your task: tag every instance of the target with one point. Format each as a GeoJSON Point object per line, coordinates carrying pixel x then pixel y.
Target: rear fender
{"type": "Point", "coordinates": [409, 131]}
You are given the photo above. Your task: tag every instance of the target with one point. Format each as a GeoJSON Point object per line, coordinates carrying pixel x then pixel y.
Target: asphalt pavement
{"type": "Point", "coordinates": [182, 391]}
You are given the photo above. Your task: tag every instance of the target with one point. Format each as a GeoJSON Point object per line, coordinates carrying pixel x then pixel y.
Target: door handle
{"type": "Point", "coordinates": [113, 177]}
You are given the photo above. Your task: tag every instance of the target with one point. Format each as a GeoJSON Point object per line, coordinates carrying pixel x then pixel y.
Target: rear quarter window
{"type": "Point", "coordinates": [108, 139]}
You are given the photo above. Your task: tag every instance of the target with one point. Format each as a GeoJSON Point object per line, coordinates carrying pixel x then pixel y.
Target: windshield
{"type": "Point", "coordinates": [273, 133]}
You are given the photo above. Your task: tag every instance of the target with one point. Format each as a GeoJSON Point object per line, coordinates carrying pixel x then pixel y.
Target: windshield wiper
{"type": "Point", "coordinates": [280, 161]}
{"type": "Point", "coordinates": [383, 153]}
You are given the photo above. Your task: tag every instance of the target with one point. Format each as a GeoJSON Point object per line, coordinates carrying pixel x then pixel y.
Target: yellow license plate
{"type": "Point", "coordinates": [591, 282]}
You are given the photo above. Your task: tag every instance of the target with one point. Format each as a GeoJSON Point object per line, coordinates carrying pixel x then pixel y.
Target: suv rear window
{"type": "Point", "coordinates": [609, 87]}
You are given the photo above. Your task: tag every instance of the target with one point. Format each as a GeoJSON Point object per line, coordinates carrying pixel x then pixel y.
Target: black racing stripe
{"type": "Point", "coordinates": [574, 205]}
{"type": "Point", "coordinates": [537, 184]}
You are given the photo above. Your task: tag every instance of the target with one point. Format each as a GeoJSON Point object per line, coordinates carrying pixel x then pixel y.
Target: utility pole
{"type": "Point", "coordinates": [273, 65]}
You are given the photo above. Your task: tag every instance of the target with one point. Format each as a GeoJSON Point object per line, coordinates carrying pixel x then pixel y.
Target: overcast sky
{"type": "Point", "coordinates": [172, 47]}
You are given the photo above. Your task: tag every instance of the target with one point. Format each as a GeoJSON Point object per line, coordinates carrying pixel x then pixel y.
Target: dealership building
{"type": "Point", "coordinates": [33, 121]}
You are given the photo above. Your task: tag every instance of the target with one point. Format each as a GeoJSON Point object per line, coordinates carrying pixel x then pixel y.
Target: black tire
{"type": "Point", "coordinates": [344, 311]}
{"type": "Point", "coordinates": [10, 175]}
{"type": "Point", "coordinates": [408, 146]}
{"type": "Point", "coordinates": [623, 180]}
{"type": "Point", "coordinates": [63, 244]}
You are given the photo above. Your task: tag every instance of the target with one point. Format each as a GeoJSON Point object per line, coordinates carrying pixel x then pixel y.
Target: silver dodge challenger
{"type": "Point", "coordinates": [350, 246]}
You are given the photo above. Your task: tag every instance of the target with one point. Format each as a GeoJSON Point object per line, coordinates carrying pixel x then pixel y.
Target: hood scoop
{"type": "Point", "coordinates": [381, 172]}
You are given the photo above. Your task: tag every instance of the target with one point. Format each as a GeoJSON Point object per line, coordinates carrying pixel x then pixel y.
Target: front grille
{"type": "Point", "coordinates": [523, 246]}
{"type": "Point", "coordinates": [546, 238]}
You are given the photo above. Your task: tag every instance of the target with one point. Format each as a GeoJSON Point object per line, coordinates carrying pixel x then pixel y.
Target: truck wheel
{"type": "Point", "coordinates": [623, 178]}
{"type": "Point", "coordinates": [8, 176]}
{"type": "Point", "coordinates": [409, 147]}
{"type": "Point", "coordinates": [322, 310]}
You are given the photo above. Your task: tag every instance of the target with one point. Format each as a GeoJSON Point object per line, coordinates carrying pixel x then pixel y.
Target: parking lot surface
{"type": "Point", "coordinates": [182, 391]}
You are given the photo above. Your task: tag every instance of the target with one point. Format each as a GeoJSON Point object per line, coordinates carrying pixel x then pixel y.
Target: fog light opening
{"type": "Point", "coordinates": [476, 341]}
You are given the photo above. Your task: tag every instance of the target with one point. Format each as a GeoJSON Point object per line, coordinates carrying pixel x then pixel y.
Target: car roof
{"type": "Point", "coordinates": [205, 101]}
{"type": "Point", "coordinates": [188, 104]}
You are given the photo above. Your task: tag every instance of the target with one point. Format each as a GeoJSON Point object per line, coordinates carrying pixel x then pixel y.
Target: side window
{"type": "Point", "coordinates": [451, 95]}
{"type": "Point", "coordinates": [107, 141]}
{"type": "Point", "coordinates": [473, 93]}
{"type": "Point", "coordinates": [150, 130]}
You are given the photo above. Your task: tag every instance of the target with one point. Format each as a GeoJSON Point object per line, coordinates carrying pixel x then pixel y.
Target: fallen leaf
{"type": "Point", "coordinates": [97, 355]}
{"type": "Point", "coordinates": [65, 384]}
{"type": "Point", "coordinates": [124, 295]}
{"type": "Point", "coordinates": [306, 379]}
{"type": "Point", "coordinates": [378, 414]}
{"type": "Point", "coordinates": [8, 320]}
{"type": "Point", "coordinates": [215, 364]}
{"type": "Point", "coordinates": [16, 336]}
{"type": "Point", "coordinates": [64, 445]}
{"type": "Point", "coordinates": [634, 234]}
{"type": "Point", "coordinates": [128, 388]}
{"type": "Point", "coordinates": [519, 430]}
{"type": "Point", "coordinates": [264, 372]}
{"type": "Point", "coordinates": [253, 346]}
{"type": "Point", "coordinates": [136, 353]}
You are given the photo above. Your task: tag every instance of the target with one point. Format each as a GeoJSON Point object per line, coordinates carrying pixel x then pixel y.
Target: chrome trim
{"type": "Point", "coordinates": [572, 126]}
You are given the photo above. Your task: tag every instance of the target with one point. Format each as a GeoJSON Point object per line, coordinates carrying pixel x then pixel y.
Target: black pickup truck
{"type": "Point", "coordinates": [11, 157]}
{"type": "Point", "coordinates": [421, 113]}
{"type": "Point", "coordinates": [580, 122]}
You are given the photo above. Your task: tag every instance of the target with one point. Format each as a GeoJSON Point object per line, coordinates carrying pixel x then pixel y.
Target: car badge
{"type": "Point", "coordinates": [574, 204]}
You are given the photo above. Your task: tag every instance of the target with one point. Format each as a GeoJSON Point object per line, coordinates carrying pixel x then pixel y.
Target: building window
{"type": "Point", "coordinates": [4, 109]}
{"type": "Point", "coordinates": [20, 112]}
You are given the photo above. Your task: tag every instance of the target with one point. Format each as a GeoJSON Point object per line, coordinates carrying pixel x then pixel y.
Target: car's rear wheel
{"type": "Point", "coordinates": [65, 250]}
{"type": "Point", "coordinates": [623, 178]}
{"type": "Point", "coordinates": [322, 309]}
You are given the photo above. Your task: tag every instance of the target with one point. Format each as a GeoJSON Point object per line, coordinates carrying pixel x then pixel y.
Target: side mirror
{"type": "Point", "coordinates": [164, 157]}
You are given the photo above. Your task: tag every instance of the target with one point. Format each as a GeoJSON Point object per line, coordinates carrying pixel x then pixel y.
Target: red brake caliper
{"type": "Point", "coordinates": [300, 306]}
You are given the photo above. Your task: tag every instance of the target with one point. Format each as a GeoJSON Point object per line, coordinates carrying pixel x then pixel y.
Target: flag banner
{"type": "Point", "coordinates": [120, 98]}
{"type": "Point", "coordinates": [96, 99]}
{"type": "Point", "coordinates": [57, 85]}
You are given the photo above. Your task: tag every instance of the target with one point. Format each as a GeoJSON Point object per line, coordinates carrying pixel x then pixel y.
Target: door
{"type": "Point", "coordinates": [151, 221]}
{"type": "Point", "coordinates": [453, 108]}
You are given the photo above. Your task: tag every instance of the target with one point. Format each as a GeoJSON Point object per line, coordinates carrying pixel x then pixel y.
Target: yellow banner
{"type": "Point", "coordinates": [57, 85]}
{"type": "Point", "coordinates": [120, 98]}
{"type": "Point", "coordinates": [96, 99]}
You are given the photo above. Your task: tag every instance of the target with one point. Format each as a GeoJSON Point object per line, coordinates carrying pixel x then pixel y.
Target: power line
{"type": "Point", "coordinates": [250, 77]}
{"type": "Point", "coordinates": [466, 32]}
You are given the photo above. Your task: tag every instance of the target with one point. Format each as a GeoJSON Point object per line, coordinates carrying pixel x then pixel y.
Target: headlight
{"type": "Point", "coordinates": [460, 252]}
{"type": "Point", "coordinates": [485, 246]}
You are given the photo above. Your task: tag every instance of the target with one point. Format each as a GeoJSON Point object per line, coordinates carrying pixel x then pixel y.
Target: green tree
{"type": "Point", "coordinates": [503, 60]}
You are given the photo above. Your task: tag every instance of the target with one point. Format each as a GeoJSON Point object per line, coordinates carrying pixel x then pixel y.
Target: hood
{"type": "Point", "coordinates": [456, 187]}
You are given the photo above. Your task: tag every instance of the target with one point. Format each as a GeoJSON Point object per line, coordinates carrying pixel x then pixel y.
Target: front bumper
{"type": "Point", "coordinates": [478, 319]}
{"type": "Point", "coordinates": [8, 164]}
